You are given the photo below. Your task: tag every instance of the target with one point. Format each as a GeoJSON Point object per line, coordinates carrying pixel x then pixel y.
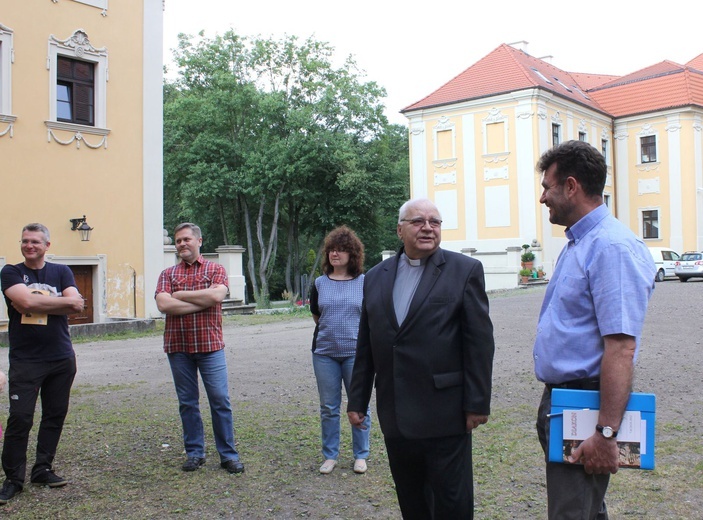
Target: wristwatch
{"type": "Point", "coordinates": [606, 431]}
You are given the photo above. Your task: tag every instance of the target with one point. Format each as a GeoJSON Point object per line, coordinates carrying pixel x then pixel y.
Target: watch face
{"type": "Point", "coordinates": [607, 432]}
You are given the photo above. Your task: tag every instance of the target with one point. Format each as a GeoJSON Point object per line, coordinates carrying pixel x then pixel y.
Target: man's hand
{"type": "Point", "coordinates": [356, 419]}
{"type": "Point", "coordinates": [474, 420]}
{"type": "Point", "coordinates": [597, 454]}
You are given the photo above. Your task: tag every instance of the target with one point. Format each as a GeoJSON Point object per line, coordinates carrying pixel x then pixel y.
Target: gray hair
{"type": "Point", "coordinates": [38, 228]}
{"type": "Point", "coordinates": [189, 225]}
{"type": "Point", "coordinates": [420, 201]}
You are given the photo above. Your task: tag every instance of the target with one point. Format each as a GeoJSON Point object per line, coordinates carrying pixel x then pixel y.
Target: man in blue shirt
{"type": "Point", "coordinates": [590, 323]}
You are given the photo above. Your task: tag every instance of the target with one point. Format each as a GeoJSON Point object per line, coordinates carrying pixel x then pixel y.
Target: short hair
{"type": "Point", "coordinates": [40, 228]}
{"type": "Point", "coordinates": [579, 160]}
{"type": "Point", "coordinates": [189, 225]}
{"type": "Point", "coordinates": [402, 212]}
{"type": "Point", "coordinates": [344, 239]}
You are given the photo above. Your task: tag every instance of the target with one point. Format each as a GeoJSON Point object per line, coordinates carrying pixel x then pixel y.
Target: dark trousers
{"type": "Point", "coordinates": [53, 380]}
{"type": "Point", "coordinates": [433, 477]}
{"type": "Point", "coordinates": [572, 494]}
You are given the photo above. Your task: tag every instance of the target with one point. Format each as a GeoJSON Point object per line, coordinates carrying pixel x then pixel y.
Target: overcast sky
{"type": "Point", "coordinates": [411, 48]}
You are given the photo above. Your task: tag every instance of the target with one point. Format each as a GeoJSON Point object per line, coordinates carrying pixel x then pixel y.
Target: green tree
{"type": "Point", "coordinates": [265, 139]}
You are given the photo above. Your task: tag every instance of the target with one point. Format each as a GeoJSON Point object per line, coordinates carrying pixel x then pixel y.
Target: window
{"type": "Point", "coordinates": [648, 148]}
{"type": "Point", "coordinates": [78, 74]}
{"type": "Point", "coordinates": [582, 136]}
{"type": "Point", "coordinates": [75, 88]}
{"type": "Point", "coordinates": [6, 52]}
{"type": "Point", "coordinates": [650, 223]}
{"type": "Point", "coordinates": [604, 148]}
{"type": "Point", "coordinates": [606, 199]}
{"type": "Point", "coordinates": [556, 134]}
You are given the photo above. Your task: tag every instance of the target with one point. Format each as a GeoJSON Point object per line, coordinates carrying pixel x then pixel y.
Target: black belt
{"type": "Point", "coordinates": [577, 384]}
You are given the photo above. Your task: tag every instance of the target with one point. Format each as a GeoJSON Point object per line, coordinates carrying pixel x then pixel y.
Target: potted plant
{"type": "Point", "coordinates": [528, 257]}
{"type": "Point", "coordinates": [525, 275]}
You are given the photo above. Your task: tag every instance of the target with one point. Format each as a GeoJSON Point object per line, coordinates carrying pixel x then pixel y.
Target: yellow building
{"type": "Point", "coordinates": [474, 143]}
{"type": "Point", "coordinates": [81, 135]}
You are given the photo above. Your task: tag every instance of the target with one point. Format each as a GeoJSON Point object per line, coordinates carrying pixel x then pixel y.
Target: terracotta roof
{"type": "Point", "coordinates": [588, 81]}
{"type": "Point", "coordinates": [506, 69]}
{"type": "Point", "coordinates": [677, 89]}
{"type": "Point", "coordinates": [696, 63]}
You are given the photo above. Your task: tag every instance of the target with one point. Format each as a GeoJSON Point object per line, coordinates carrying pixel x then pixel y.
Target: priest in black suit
{"type": "Point", "coordinates": [426, 339]}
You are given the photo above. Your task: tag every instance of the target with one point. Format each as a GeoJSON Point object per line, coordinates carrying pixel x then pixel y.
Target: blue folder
{"type": "Point", "coordinates": [565, 399]}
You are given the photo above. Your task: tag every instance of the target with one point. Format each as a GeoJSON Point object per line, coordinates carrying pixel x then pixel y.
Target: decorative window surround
{"type": "Point", "coordinates": [78, 46]}
{"type": "Point", "coordinates": [7, 58]}
{"type": "Point", "coordinates": [100, 4]}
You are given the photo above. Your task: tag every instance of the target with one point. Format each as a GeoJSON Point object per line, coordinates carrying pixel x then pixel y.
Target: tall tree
{"type": "Point", "coordinates": [266, 138]}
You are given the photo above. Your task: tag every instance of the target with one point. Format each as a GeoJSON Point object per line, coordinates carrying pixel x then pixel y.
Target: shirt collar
{"type": "Point", "coordinates": [586, 223]}
{"type": "Point", "coordinates": [200, 260]}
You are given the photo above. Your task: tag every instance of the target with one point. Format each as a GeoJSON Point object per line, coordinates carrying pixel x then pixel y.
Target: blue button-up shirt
{"type": "Point", "coordinates": [602, 283]}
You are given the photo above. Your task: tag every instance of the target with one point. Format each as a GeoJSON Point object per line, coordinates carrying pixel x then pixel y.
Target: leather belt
{"type": "Point", "coordinates": [577, 384]}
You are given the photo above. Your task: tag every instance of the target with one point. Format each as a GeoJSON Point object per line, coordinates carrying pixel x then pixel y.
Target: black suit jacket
{"type": "Point", "coordinates": [438, 364]}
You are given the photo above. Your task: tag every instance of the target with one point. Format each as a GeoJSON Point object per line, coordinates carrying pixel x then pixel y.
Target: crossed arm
{"type": "Point", "coordinates": [188, 302]}
{"type": "Point", "coordinates": [26, 301]}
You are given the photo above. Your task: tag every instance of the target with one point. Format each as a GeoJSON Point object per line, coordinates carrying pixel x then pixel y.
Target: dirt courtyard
{"type": "Point", "coordinates": [270, 369]}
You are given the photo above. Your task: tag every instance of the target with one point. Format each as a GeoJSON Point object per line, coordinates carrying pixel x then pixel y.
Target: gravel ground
{"type": "Point", "coordinates": [270, 364]}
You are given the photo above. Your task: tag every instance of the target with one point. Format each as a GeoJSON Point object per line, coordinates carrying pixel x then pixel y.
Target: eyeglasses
{"type": "Point", "coordinates": [420, 222]}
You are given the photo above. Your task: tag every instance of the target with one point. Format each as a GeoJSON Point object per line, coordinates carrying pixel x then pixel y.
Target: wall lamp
{"type": "Point", "coordinates": [80, 225]}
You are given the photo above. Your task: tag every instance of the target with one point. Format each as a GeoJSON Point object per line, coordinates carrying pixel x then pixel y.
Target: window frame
{"type": "Point", "coordinates": [556, 134]}
{"type": "Point", "coordinates": [649, 223]}
{"type": "Point", "coordinates": [73, 84]}
{"type": "Point", "coordinates": [78, 47]}
{"type": "Point", "coordinates": [652, 145]}
{"type": "Point", "coordinates": [7, 58]}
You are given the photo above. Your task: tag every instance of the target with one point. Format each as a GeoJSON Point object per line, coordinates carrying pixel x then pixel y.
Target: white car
{"type": "Point", "coordinates": [690, 266]}
{"type": "Point", "coordinates": [665, 259]}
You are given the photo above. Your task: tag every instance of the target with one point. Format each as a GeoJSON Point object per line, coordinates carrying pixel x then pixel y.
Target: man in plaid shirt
{"type": "Point", "coordinates": [190, 294]}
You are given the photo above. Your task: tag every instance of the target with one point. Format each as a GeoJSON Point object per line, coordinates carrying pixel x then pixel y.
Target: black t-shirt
{"type": "Point", "coordinates": [50, 342]}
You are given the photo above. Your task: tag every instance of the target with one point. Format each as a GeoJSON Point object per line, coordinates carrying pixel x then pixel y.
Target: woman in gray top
{"type": "Point", "coordinates": [335, 303]}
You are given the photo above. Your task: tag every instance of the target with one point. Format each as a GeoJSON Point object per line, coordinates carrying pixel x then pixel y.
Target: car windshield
{"type": "Point", "coordinates": [691, 256]}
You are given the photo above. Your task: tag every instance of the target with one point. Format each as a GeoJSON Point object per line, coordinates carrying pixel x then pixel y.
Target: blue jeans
{"type": "Point", "coordinates": [330, 373]}
{"type": "Point", "coordinates": [213, 371]}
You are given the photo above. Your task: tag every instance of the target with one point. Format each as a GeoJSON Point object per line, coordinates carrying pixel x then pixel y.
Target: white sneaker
{"type": "Point", "coordinates": [360, 466]}
{"type": "Point", "coordinates": [328, 466]}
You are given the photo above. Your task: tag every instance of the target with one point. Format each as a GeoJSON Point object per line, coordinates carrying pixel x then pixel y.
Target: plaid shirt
{"type": "Point", "coordinates": [201, 331]}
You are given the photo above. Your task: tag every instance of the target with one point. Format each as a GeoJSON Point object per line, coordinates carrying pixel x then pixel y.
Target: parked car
{"type": "Point", "coordinates": [665, 259]}
{"type": "Point", "coordinates": [690, 266]}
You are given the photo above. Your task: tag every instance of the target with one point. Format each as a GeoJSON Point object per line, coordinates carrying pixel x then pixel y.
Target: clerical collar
{"type": "Point", "coordinates": [413, 263]}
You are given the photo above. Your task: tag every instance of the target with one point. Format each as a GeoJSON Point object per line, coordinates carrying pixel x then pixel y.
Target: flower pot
{"type": "Point", "coordinates": [527, 265]}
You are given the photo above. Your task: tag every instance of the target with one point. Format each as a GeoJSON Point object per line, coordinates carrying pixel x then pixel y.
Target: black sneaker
{"type": "Point", "coordinates": [9, 490]}
{"type": "Point", "coordinates": [232, 466]}
{"type": "Point", "coordinates": [193, 463]}
{"type": "Point", "coordinates": [48, 478]}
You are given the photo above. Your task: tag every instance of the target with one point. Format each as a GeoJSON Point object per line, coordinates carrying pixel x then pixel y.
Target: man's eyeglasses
{"type": "Point", "coordinates": [420, 222]}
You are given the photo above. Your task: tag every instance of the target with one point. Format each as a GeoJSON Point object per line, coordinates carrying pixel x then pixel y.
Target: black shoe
{"type": "Point", "coordinates": [232, 466]}
{"type": "Point", "coordinates": [48, 478]}
{"type": "Point", "coordinates": [193, 463]}
{"type": "Point", "coordinates": [9, 490]}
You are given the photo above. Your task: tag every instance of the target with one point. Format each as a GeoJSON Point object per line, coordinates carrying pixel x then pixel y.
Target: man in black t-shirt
{"type": "Point", "coordinates": [39, 298]}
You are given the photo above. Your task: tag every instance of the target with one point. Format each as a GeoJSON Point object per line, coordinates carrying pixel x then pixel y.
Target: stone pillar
{"type": "Point", "coordinates": [513, 260]}
{"type": "Point", "coordinates": [170, 256]}
{"type": "Point", "coordinates": [232, 258]}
